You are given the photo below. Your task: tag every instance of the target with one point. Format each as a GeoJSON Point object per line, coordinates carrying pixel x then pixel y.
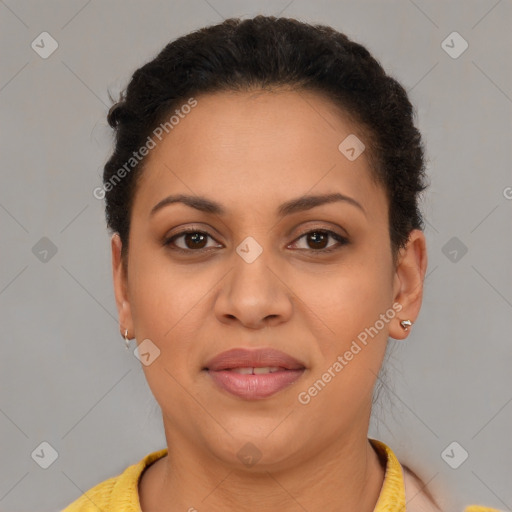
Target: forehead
{"type": "Point", "coordinates": [253, 148]}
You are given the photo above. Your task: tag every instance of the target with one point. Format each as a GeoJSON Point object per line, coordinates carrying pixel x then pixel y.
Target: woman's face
{"type": "Point", "coordinates": [252, 277]}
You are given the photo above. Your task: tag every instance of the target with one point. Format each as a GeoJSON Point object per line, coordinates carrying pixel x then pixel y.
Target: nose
{"type": "Point", "coordinates": [254, 294]}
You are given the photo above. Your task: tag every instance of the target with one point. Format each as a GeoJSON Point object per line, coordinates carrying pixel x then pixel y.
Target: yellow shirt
{"type": "Point", "coordinates": [120, 493]}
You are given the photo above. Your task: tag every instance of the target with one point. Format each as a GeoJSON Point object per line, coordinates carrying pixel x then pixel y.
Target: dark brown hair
{"type": "Point", "coordinates": [265, 52]}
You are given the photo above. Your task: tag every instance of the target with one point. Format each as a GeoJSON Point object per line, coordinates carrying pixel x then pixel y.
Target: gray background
{"type": "Point", "coordinates": [66, 377]}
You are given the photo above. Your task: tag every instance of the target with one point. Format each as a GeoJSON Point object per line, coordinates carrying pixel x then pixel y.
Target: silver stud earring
{"type": "Point", "coordinates": [405, 324]}
{"type": "Point", "coordinates": [126, 340]}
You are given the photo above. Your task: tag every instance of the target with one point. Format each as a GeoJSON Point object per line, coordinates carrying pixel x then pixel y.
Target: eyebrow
{"type": "Point", "coordinates": [299, 204]}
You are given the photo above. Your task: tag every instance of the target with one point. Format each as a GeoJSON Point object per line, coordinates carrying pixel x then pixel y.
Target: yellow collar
{"type": "Point", "coordinates": [392, 493]}
{"type": "Point", "coordinates": [121, 492]}
{"type": "Point", "coordinates": [391, 499]}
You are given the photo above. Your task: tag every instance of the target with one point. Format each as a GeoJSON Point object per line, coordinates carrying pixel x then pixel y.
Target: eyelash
{"type": "Point", "coordinates": [340, 239]}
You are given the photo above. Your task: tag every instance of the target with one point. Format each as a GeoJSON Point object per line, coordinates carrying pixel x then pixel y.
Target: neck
{"type": "Point", "coordinates": [344, 477]}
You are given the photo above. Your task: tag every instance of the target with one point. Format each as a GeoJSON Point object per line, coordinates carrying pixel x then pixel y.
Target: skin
{"type": "Point", "coordinates": [251, 152]}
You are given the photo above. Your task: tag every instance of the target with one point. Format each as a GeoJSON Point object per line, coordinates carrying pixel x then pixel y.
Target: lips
{"type": "Point", "coordinates": [254, 374]}
{"type": "Point", "coordinates": [255, 358]}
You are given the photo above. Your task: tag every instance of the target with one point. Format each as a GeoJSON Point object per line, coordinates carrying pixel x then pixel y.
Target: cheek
{"type": "Point", "coordinates": [351, 355]}
{"type": "Point", "coordinates": [342, 303]}
{"type": "Point", "coordinates": [162, 305]}
{"type": "Point", "coordinates": [161, 296]}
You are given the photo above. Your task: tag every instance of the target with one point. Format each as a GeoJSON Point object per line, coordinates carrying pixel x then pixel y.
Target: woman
{"type": "Point", "coordinates": [263, 198]}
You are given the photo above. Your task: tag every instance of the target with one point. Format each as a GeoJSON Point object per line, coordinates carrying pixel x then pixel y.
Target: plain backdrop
{"type": "Point", "coordinates": [67, 380]}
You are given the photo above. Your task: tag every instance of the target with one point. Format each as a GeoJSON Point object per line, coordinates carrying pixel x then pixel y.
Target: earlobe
{"type": "Point", "coordinates": [408, 283]}
{"type": "Point", "coordinates": [120, 285]}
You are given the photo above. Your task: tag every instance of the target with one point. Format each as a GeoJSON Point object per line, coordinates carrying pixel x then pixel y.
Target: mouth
{"type": "Point", "coordinates": [254, 374]}
{"type": "Point", "coordinates": [256, 370]}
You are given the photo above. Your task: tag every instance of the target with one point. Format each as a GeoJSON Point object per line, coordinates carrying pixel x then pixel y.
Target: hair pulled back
{"type": "Point", "coordinates": [266, 52]}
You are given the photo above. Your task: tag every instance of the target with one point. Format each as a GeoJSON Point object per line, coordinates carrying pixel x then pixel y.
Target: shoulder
{"type": "Point", "coordinates": [418, 499]}
{"type": "Point", "coordinates": [118, 492]}
{"type": "Point", "coordinates": [480, 508]}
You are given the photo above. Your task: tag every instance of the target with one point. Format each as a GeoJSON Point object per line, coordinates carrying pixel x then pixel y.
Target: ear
{"type": "Point", "coordinates": [408, 282]}
{"type": "Point", "coordinates": [121, 287]}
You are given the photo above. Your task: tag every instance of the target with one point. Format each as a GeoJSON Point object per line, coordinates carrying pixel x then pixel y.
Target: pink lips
{"type": "Point", "coordinates": [284, 371]}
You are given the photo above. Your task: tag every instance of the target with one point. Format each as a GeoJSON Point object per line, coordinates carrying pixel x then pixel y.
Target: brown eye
{"type": "Point", "coordinates": [317, 240]}
{"type": "Point", "coordinates": [195, 240]}
{"type": "Point", "coordinates": [192, 239]}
